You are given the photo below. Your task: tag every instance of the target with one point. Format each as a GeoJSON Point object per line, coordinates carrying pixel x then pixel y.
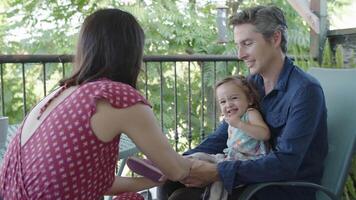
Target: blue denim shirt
{"type": "Point", "coordinates": [296, 115]}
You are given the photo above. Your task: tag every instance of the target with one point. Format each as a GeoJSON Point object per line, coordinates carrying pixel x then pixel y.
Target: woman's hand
{"type": "Point", "coordinates": [201, 174]}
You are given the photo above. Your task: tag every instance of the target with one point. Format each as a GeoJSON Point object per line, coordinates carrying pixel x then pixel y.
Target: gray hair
{"type": "Point", "coordinates": [266, 19]}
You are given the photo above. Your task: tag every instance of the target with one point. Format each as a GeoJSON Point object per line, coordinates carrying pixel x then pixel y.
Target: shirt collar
{"type": "Point", "coordinates": [283, 76]}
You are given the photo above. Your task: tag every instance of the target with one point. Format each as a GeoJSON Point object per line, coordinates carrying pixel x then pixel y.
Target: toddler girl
{"type": "Point", "coordinates": [247, 132]}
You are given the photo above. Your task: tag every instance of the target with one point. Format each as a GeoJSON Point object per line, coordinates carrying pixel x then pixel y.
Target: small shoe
{"type": "Point", "coordinates": [144, 168]}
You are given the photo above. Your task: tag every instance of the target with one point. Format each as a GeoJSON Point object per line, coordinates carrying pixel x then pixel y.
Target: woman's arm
{"type": "Point", "coordinates": [128, 184]}
{"type": "Point", "coordinates": [139, 123]}
{"type": "Point", "coordinates": [255, 127]}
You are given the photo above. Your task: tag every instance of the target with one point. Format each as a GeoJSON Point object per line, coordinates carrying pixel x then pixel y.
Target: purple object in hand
{"type": "Point", "coordinates": [144, 168]}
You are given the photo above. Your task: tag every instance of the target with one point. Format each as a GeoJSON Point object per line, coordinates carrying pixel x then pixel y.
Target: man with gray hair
{"type": "Point", "coordinates": [292, 104]}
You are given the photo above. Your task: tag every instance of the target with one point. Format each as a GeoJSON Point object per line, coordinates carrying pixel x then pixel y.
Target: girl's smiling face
{"type": "Point", "coordinates": [232, 99]}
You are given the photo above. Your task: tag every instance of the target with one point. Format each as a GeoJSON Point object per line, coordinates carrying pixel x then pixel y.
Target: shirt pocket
{"type": "Point", "coordinates": [276, 119]}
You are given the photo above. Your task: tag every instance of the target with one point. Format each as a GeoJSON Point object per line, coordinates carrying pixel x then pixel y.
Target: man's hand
{"type": "Point", "coordinates": [201, 174]}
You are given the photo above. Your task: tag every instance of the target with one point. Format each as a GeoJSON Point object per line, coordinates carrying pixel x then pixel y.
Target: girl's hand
{"type": "Point", "coordinates": [255, 127]}
{"type": "Point", "coordinates": [233, 120]}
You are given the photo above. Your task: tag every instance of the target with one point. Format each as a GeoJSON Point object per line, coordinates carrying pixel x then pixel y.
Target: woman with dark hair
{"type": "Point", "coordinates": [67, 146]}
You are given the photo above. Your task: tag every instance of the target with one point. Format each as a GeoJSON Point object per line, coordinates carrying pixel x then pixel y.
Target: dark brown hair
{"type": "Point", "coordinates": [249, 89]}
{"type": "Point", "coordinates": [266, 19]}
{"type": "Point", "coordinates": [110, 45]}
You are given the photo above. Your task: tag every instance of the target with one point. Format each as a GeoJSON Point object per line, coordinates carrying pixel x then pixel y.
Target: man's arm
{"type": "Point", "coordinates": [214, 143]}
{"type": "Point", "coordinates": [306, 112]}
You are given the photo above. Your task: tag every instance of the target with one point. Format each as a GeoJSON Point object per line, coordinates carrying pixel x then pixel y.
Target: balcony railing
{"type": "Point", "coordinates": [179, 87]}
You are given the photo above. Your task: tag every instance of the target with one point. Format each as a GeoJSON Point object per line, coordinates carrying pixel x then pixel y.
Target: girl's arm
{"type": "Point", "coordinates": [255, 127]}
{"type": "Point", "coordinates": [128, 184]}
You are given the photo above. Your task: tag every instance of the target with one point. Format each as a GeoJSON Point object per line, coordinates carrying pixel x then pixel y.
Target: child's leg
{"type": "Point", "coordinates": [217, 191]}
{"type": "Point", "coordinates": [220, 157]}
{"type": "Point", "coordinates": [203, 156]}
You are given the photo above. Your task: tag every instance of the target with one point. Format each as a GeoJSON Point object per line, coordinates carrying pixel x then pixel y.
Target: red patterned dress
{"type": "Point", "coordinates": [63, 159]}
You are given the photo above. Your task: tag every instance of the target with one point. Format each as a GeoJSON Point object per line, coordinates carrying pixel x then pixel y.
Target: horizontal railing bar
{"type": "Point", "coordinates": [189, 58]}
{"type": "Point", "coordinates": [66, 58]}
{"type": "Point", "coordinates": [36, 58]}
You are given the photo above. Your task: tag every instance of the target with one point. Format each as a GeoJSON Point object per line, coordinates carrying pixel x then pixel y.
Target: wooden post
{"type": "Point", "coordinates": [317, 41]}
{"type": "Point", "coordinates": [303, 9]}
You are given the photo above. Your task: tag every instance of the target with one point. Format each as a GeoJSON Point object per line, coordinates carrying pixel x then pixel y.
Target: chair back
{"type": "Point", "coordinates": [339, 86]}
{"type": "Point", "coordinates": [4, 122]}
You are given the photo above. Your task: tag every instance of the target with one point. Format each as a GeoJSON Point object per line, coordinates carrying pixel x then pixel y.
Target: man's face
{"type": "Point", "coordinates": [253, 48]}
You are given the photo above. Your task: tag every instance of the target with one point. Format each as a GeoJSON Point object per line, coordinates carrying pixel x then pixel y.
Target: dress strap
{"type": "Point", "coordinates": [44, 107]}
{"type": "Point", "coordinates": [244, 117]}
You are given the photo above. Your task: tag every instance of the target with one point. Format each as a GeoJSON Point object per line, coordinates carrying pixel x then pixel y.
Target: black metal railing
{"type": "Point", "coordinates": [185, 105]}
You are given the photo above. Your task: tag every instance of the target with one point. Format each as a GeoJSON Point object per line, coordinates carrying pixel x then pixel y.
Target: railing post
{"type": "Point", "coordinates": [2, 90]}
{"type": "Point", "coordinates": [202, 133]}
{"type": "Point", "coordinates": [176, 136]}
{"type": "Point", "coordinates": [189, 110]}
{"type": "Point", "coordinates": [24, 89]}
{"type": "Point", "coordinates": [161, 95]}
{"type": "Point", "coordinates": [44, 79]}
{"type": "Point", "coordinates": [214, 97]}
{"type": "Point", "coordinates": [146, 80]}
{"type": "Point", "coordinates": [63, 70]}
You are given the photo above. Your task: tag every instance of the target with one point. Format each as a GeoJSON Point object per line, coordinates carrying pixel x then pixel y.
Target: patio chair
{"type": "Point", "coordinates": [4, 121]}
{"type": "Point", "coordinates": [127, 149]}
{"type": "Point", "coordinates": [339, 87]}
